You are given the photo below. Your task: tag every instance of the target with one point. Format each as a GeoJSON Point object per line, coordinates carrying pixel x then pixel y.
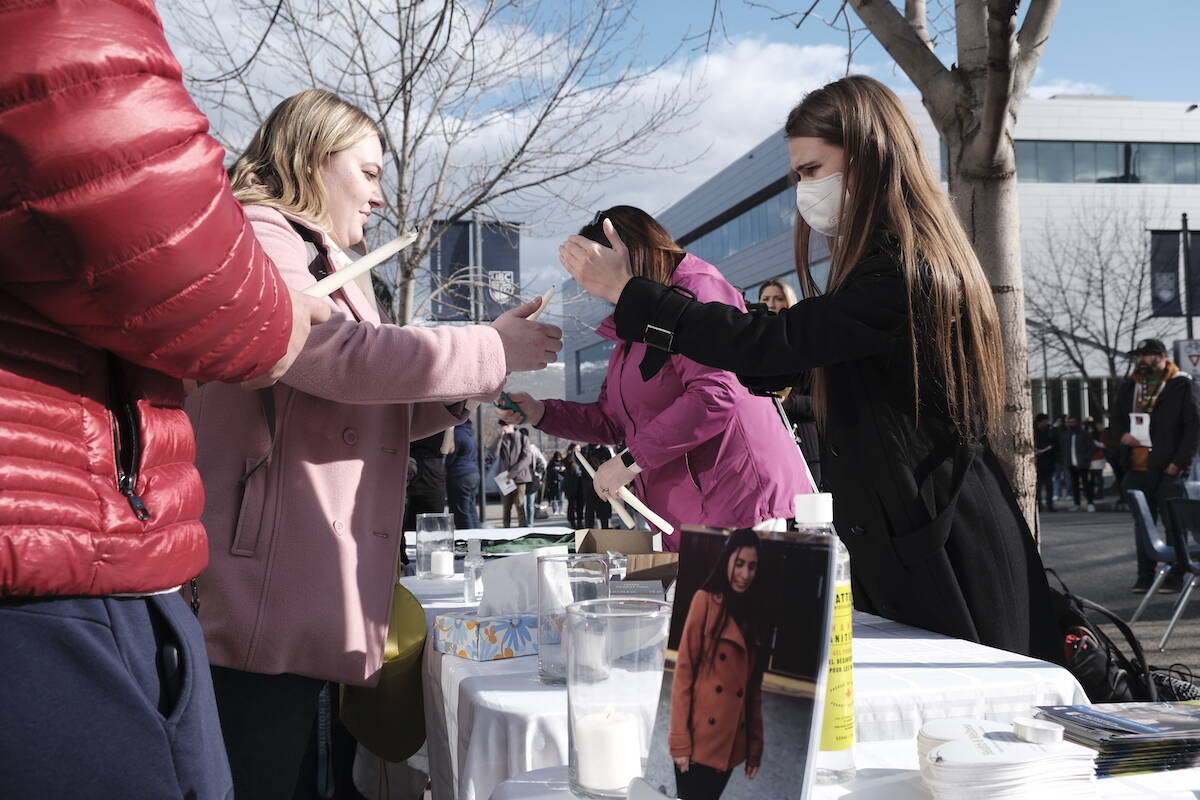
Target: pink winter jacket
{"type": "Point", "coordinates": [713, 454]}
{"type": "Point", "coordinates": [303, 558]}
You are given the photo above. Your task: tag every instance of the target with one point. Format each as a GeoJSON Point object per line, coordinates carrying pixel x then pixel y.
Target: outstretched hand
{"type": "Point", "coordinates": [531, 411]}
{"type": "Point", "coordinates": [527, 345]}
{"type": "Point", "coordinates": [601, 271]}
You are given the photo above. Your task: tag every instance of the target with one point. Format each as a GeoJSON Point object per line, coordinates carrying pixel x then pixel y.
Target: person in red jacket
{"type": "Point", "coordinates": [126, 265]}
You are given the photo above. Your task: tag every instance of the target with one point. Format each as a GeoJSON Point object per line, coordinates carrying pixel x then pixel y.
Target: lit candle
{"type": "Point", "coordinates": [608, 750]}
{"type": "Point", "coordinates": [441, 563]}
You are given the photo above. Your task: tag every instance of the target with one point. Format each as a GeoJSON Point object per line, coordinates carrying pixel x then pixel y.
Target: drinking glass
{"type": "Point", "coordinates": [615, 653]}
{"type": "Point", "coordinates": [435, 546]}
{"type": "Point", "coordinates": [562, 580]}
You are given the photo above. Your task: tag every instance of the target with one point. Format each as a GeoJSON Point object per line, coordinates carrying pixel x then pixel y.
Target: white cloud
{"type": "Point", "coordinates": [746, 89]}
{"type": "Point", "coordinates": [1047, 89]}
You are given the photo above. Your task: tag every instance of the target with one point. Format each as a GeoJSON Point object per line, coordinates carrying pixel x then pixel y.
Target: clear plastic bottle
{"type": "Point", "coordinates": [473, 572]}
{"type": "Point", "coordinates": [835, 757]}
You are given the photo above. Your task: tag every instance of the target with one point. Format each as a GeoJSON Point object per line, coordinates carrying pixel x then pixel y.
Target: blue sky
{"type": "Point", "coordinates": [1142, 48]}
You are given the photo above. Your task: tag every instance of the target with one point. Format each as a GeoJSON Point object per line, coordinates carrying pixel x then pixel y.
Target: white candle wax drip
{"type": "Point", "coordinates": [607, 750]}
{"type": "Point", "coordinates": [441, 562]}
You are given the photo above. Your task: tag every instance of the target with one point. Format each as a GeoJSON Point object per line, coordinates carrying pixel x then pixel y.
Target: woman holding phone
{"type": "Point", "coordinates": [905, 350]}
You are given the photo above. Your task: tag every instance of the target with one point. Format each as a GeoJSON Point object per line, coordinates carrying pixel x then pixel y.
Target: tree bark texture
{"type": "Point", "coordinates": [973, 104]}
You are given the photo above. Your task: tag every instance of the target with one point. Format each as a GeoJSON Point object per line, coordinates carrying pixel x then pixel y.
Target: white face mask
{"type": "Point", "coordinates": [819, 203]}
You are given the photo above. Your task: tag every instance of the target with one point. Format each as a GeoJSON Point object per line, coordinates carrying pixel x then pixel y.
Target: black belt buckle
{"type": "Point", "coordinates": [659, 338]}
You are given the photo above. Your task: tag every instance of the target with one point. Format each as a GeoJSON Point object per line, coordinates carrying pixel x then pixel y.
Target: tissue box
{"type": "Point", "coordinates": [467, 635]}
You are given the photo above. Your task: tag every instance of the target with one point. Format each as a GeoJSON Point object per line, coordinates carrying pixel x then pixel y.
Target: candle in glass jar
{"type": "Point", "coordinates": [608, 750]}
{"type": "Point", "coordinates": [441, 562]}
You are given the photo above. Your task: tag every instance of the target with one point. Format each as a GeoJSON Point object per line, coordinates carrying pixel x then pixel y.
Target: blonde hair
{"type": "Point", "coordinates": [789, 294]}
{"type": "Point", "coordinates": [889, 188]}
{"type": "Point", "coordinates": [280, 166]}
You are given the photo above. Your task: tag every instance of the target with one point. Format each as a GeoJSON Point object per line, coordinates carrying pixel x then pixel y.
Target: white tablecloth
{"type": "Point", "coordinates": [489, 721]}
{"type": "Point", "coordinates": [886, 771]}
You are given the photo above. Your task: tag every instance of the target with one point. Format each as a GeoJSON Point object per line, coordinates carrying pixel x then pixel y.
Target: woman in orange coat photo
{"type": "Point", "coordinates": [716, 697]}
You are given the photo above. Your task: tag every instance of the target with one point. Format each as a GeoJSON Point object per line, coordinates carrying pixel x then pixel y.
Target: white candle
{"type": "Point", "coordinates": [441, 562]}
{"type": "Point", "coordinates": [608, 750]}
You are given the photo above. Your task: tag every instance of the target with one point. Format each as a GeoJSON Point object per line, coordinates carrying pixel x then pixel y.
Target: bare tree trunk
{"type": "Point", "coordinates": [988, 209]}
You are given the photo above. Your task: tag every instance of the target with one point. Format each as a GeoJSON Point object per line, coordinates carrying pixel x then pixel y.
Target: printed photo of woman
{"type": "Point", "coordinates": [716, 698]}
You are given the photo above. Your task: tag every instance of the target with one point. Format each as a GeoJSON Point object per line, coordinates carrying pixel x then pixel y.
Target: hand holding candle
{"type": "Point", "coordinates": [632, 499]}
{"type": "Point", "coordinates": [328, 285]}
{"type": "Point", "coordinates": [625, 516]}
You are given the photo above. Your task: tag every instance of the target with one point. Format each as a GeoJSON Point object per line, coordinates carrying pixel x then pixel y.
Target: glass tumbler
{"type": "Point", "coordinates": [615, 653]}
{"type": "Point", "coordinates": [562, 580]}
{"type": "Point", "coordinates": [435, 546]}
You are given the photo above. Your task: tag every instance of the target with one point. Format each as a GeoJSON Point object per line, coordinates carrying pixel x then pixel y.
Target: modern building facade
{"type": "Point", "coordinates": [1073, 153]}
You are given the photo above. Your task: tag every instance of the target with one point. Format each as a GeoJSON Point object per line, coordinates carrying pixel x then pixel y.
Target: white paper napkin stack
{"type": "Point", "coordinates": [988, 761]}
{"type": "Point", "coordinates": [510, 584]}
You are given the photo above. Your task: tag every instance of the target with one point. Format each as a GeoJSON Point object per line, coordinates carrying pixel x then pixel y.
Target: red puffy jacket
{"type": "Point", "coordinates": [125, 264]}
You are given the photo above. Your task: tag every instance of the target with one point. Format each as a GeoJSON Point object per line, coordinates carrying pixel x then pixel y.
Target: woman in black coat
{"type": "Point", "coordinates": [904, 345]}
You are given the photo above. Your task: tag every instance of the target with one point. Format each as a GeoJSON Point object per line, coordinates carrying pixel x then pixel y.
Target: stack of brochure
{"type": "Point", "coordinates": [997, 764]}
{"type": "Point", "coordinates": [1134, 737]}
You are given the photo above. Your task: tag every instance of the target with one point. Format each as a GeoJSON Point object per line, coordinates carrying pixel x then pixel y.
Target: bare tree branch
{"type": "Point", "coordinates": [911, 52]}
{"type": "Point", "coordinates": [915, 15]}
{"type": "Point", "coordinates": [1031, 41]}
{"type": "Point", "coordinates": [998, 99]}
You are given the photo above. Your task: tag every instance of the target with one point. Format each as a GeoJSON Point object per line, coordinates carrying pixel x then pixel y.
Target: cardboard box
{"type": "Point", "coordinates": [595, 540]}
{"type": "Point", "coordinates": [653, 566]}
{"type": "Point", "coordinates": [467, 635]}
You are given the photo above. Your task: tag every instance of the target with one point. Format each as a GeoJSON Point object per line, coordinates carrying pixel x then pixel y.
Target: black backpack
{"type": "Point", "coordinates": [1096, 661]}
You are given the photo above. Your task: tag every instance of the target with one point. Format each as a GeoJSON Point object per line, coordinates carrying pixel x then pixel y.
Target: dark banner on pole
{"type": "Point", "coordinates": [502, 267]}
{"type": "Point", "coordinates": [449, 260]}
{"type": "Point", "coordinates": [1164, 274]}
{"type": "Point", "coordinates": [1193, 272]}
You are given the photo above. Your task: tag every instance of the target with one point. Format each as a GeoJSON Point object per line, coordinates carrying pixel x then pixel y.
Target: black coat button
{"type": "Point", "coordinates": [712, 720]}
{"type": "Point", "coordinates": [833, 451]}
{"type": "Point", "coordinates": [720, 689]}
{"type": "Point", "coordinates": [858, 530]}
{"type": "Point", "coordinates": [739, 693]}
{"type": "Point", "coordinates": [721, 656]}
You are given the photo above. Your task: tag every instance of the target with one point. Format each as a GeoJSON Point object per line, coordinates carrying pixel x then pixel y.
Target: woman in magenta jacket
{"type": "Point", "coordinates": [704, 450]}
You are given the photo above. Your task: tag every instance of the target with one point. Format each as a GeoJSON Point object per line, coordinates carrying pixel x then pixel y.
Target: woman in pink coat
{"type": "Point", "coordinates": [305, 482]}
{"type": "Point", "coordinates": [701, 449]}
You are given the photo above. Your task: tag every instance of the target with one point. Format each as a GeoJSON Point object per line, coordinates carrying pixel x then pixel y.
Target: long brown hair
{"type": "Point", "coordinates": [889, 188]}
{"type": "Point", "coordinates": [653, 253]}
{"type": "Point", "coordinates": [280, 166]}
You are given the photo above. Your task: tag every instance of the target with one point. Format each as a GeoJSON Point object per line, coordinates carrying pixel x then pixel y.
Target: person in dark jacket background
{"type": "Point", "coordinates": [1074, 448]}
{"type": "Point", "coordinates": [1171, 400]}
{"type": "Point", "coordinates": [575, 483]}
{"type": "Point", "coordinates": [553, 484]}
{"type": "Point", "coordinates": [462, 477]}
{"type": "Point", "coordinates": [1045, 460]}
{"type": "Point", "coordinates": [907, 362]}
{"type": "Point", "coordinates": [127, 266]}
{"type": "Point", "coordinates": [427, 489]}
{"type": "Point", "coordinates": [777, 295]}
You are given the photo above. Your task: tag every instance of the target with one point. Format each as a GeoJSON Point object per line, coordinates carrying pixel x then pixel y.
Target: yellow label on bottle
{"type": "Point", "coordinates": [837, 724]}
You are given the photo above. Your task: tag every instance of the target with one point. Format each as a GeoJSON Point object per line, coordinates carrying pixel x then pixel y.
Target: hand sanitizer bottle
{"type": "Point", "coordinates": [473, 572]}
{"type": "Point", "coordinates": [835, 758]}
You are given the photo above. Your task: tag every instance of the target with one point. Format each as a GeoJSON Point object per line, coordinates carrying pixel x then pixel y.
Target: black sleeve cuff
{"type": "Point", "coordinates": [650, 312]}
